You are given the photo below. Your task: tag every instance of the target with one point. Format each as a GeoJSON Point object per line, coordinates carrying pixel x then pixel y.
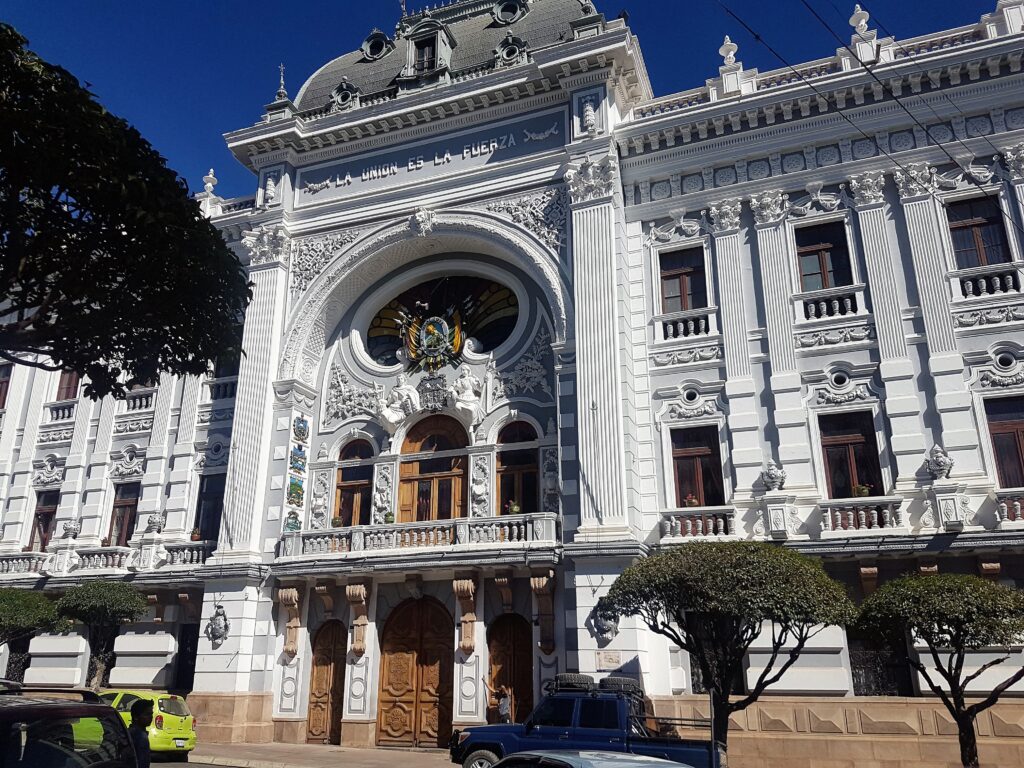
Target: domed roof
{"type": "Point", "coordinates": [477, 29]}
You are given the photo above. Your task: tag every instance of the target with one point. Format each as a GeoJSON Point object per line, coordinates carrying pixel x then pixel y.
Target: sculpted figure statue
{"type": "Point", "coordinates": [465, 394]}
{"type": "Point", "coordinates": [401, 402]}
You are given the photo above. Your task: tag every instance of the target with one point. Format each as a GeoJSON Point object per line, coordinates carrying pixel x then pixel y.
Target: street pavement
{"type": "Point", "coordinates": [310, 756]}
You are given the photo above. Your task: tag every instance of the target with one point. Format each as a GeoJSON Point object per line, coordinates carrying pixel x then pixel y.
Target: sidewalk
{"type": "Point", "coordinates": [314, 756]}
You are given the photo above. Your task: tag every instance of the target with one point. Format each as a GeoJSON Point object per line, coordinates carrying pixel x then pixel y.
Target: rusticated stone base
{"type": "Point", "coordinates": [857, 732]}
{"type": "Point", "coordinates": [233, 718]}
{"type": "Point", "coordinates": [290, 731]}
{"type": "Point", "coordinates": [359, 733]}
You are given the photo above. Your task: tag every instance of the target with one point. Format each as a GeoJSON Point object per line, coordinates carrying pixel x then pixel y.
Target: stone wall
{"type": "Point", "coordinates": [857, 732]}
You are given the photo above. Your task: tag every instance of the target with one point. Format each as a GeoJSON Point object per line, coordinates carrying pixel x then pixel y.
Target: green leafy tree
{"type": "Point", "coordinates": [714, 599]}
{"type": "Point", "coordinates": [107, 266]}
{"type": "Point", "coordinates": [951, 615]}
{"type": "Point", "coordinates": [102, 606]}
{"type": "Point", "coordinates": [24, 613]}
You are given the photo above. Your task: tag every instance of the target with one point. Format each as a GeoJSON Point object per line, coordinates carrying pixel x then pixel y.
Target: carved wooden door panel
{"type": "Point", "coordinates": [327, 684]}
{"type": "Point", "coordinates": [510, 647]}
{"type": "Point", "coordinates": [416, 676]}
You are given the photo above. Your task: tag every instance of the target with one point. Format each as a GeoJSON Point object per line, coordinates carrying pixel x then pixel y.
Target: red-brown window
{"type": "Point", "coordinates": [426, 56]}
{"type": "Point", "coordinates": [978, 233]}
{"type": "Point", "coordinates": [683, 281]}
{"type": "Point", "coordinates": [5, 383]}
{"type": "Point", "coordinates": [697, 466]}
{"type": "Point", "coordinates": [67, 387]}
{"type": "Point", "coordinates": [355, 484]}
{"type": "Point", "coordinates": [44, 520]}
{"type": "Point", "coordinates": [122, 520]}
{"type": "Point", "coordinates": [851, 454]}
{"type": "Point", "coordinates": [823, 256]}
{"type": "Point", "coordinates": [210, 505]}
{"type": "Point", "coordinates": [517, 470]}
{"type": "Point", "coordinates": [1006, 425]}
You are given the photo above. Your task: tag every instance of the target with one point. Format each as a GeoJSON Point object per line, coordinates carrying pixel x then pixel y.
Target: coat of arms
{"type": "Point", "coordinates": [434, 341]}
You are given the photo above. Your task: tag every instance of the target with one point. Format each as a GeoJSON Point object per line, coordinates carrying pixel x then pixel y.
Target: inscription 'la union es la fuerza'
{"type": "Point", "coordinates": [481, 148]}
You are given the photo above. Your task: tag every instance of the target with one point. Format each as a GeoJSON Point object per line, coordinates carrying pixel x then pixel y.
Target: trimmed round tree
{"type": "Point", "coordinates": [102, 607]}
{"type": "Point", "coordinates": [714, 599]}
{"type": "Point", "coordinates": [951, 615]}
{"type": "Point", "coordinates": [107, 266]}
{"type": "Point", "coordinates": [24, 613]}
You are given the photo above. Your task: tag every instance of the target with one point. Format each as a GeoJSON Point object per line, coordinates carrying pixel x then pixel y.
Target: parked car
{"type": "Point", "coordinates": [580, 716]}
{"type": "Point", "coordinates": [60, 728]}
{"type": "Point", "coordinates": [173, 728]}
{"type": "Point", "coordinates": [569, 759]}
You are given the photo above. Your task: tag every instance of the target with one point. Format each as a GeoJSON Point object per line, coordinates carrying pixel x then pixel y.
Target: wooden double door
{"type": "Point", "coordinates": [417, 658]}
{"type": "Point", "coordinates": [510, 647]}
{"type": "Point", "coordinates": [327, 684]}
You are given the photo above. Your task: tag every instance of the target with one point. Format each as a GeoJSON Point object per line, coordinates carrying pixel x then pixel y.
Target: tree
{"type": "Point", "coordinates": [107, 266]}
{"type": "Point", "coordinates": [23, 613]}
{"type": "Point", "coordinates": [713, 599]}
{"type": "Point", "coordinates": [102, 606]}
{"type": "Point", "coordinates": [952, 615]}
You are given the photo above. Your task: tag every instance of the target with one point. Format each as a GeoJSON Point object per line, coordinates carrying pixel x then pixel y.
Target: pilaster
{"type": "Point", "coordinates": [181, 471]}
{"type": "Point", "coordinates": [157, 459]}
{"type": "Point", "coordinates": [19, 396]}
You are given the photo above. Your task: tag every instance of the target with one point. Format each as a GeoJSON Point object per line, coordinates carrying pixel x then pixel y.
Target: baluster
{"type": "Point", "coordinates": [826, 519]}
{"type": "Point", "coordinates": [847, 305]}
{"type": "Point", "coordinates": [874, 518]}
{"type": "Point", "coordinates": [968, 288]}
{"type": "Point", "coordinates": [822, 309]}
{"type": "Point", "coordinates": [835, 307]}
{"type": "Point", "coordinates": [810, 310]}
{"type": "Point", "coordinates": [688, 530]}
{"type": "Point", "coordinates": [1016, 510]}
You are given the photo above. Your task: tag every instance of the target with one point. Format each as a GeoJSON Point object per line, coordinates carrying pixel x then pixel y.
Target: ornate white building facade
{"type": "Point", "coordinates": [516, 322]}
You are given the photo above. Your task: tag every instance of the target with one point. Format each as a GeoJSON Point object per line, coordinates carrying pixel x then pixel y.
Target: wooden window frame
{"type": "Point", "coordinates": [858, 475]}
{"type": "Point", "coordinates": [203, 479]}
{"type": "Point", "coordinates": [43, 533]}
{"type": "Point", "coordinates": [68, 385]}
{"type": "Point", "coordinates": [684, 278]}
{"type": "Point", "coordinates": [422, 65]}
{"type": "Point", "coordinates": [824, 251]}
{"type": "Point", "coordinates": [419, 448]}
{"type": "Point", "coordinates": [124, 507]}
{"type": "Point", "coordinates": [695, 455]}
{"type": "Point", "coordinates": [975, 225]}
{"type": "Point", "coordinates": [6, 372]}
{"type": "Point", "coordinates": [518, 473]}
{"type": "Point", "coordinates": [1015, 428]}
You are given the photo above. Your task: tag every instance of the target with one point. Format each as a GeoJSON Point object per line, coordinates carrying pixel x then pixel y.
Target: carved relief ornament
{"type": "Point", "coordinates": [543, 585]}
{"type": "Point", "coordinates": [357, 594]}
{"type": "Point", "coordinates": [465, 593]}
{"type": "Point", "coordinates": [868, 188]}
{"type": "Point", "coordinates": [312, 254]}
{"type": "Point", "coordinates": [128, 462]}
{"type": "Point", "coordinates": [769, 207]}
{"type": "Point", "coordinates": [542, 213]}
{"type": "Point", "coordinates": [267, 244]}
{"type": "Point", "coordinates": [725, 215]}
{"type": "Point", "coordinates": [590, 180]}
{"type": "Point", "coordinates": [50, 471]}
{"type": "Point", "coordinates": [1014, 159]}
{"type": "Point", "coordinates": [345, 400]}
{"type": "Point", "coordinates": [288, 598]}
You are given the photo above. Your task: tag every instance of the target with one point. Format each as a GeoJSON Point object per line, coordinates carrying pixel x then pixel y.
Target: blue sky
{"type": "Point", "coordinates": [187, 71]}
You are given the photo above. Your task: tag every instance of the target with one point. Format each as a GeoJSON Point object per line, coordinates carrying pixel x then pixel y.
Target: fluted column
{"type": "Point", "coordinates": [1014, 160]}
{"type": "Point", "coordinates": [902, 403]}
{"type": "Point", "coordinates": [925, 222]}
{"type": "Point", "coordinates": [157, 459]}
{"type": "Point", "coordinates": [600, 429]}
{"type": "Point", "coordinates": [19, 397]}
{"type": "Point", "coordinates": [747, 454]}
{"type": "Point", "coordinates": [790, 416]}
{"type": "Point", "coordinates": [181, 473]}
{"type": "Point", "coordinates": [96, 503]}
{"type": "Point", "coordinates": [251, 432]}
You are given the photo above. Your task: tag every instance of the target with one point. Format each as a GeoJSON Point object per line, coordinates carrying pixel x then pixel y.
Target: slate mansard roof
{"type": "Point", "coordinates": [476, 34]}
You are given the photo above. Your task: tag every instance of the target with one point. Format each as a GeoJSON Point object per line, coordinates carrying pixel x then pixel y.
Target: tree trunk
{"type": "Point", "coordinates": [968, 741]}
{"type": "Point", "coordinates": [720, 726]}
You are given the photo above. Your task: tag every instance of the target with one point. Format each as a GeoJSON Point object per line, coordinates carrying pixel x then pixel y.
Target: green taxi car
{"type": "Point", "coordinates": [174, 727]}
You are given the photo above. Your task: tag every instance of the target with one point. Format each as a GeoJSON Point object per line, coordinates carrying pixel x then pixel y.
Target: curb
{"type": "Point", "coordinates": [230, 762]}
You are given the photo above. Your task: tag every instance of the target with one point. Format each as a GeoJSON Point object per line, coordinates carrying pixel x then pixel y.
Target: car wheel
{"type": "Point", "coordinates": [482, 758]}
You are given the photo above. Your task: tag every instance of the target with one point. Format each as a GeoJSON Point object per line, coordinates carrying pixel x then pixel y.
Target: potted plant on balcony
{"type": "Point", "coordinates": [105, 542]}
{"type": "Point", "coordinates": [196, 536]}
{"type": "Point", "coordinates": [335, 522]}
{"type": "Point", "coordinates": [512, 507]}
{"type": "Point", "coordinates": [861, 489]}
{"type": "Point", "coordinates": [691, 500]}
{"type": "Point", "coordinates": [389, 516]}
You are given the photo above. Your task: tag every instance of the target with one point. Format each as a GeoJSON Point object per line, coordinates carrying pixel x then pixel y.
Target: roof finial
{"type": "Point", "coordinates": [405, 11]}
{"type": "Point", "coordinates": [209, 182]}
{"type": "Point", "coordinates": [728, 51]}
{"type": "Point", "coordinates": [281, 92]}
{"type": "Point", "coordinates": [859, 20]}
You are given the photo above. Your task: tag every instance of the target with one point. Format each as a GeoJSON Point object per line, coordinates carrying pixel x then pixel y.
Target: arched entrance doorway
{"type": "Point", "coordinates": [327, 684]}
{"type": "Point", "coordinates": [433, 478]}
{"type": "Point", "coordinates": [416, 675]}
{"type": "Point", "coordinates": [510, 647]}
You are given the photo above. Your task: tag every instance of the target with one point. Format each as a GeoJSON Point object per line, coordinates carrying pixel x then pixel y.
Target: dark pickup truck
{"type": "Point", "coordinates": [575, 714]}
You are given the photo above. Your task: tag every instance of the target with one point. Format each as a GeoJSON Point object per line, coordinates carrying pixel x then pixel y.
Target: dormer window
{"type": "Point", "coordinates": [430, 53]}
{"type": "Point", "coordinates": [377, 45]}
{"type": "Point", "coordinates": [426, 56]}
{"type": "Point", "coordinates": [509, 11]}
{"type": "Point", "coordinates": [511, 50]}
{"type": "Point", "coordinates": [345, 96]}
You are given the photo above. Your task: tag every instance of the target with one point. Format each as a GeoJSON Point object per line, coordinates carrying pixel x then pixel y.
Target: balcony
{"type": "Point", "coordinates": [63, 410]}
{"type": "Point", "coordinates": [223, 388]}
{"type": "Point", "coordinates": [992, 282]}
{"type": "Point", "coordinates": [695, 523]}
{"type": "Point", "coordinates": [844, 302]}
{"type": "Point", "coordinates": [861, 516]}
{"type": "Point", "coordinates": [1010, 508]}
{"type": "Point", "coordinates": [139, 400]}
{"type": "Point", "coordinates": [432, 539]}
{"type": "Point", "coordinates": [22, 564]}
{"type": "Point", "coordinates": [689, 325]}
{"type": "Point", "coordinates": [109, 559]}
{"type": "Point", "coordinates": [190, 554]}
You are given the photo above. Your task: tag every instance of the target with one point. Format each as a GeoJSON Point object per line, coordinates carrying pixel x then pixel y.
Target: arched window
{"type": "Point", "coordinates": [433, 477]}
{"type": "Point", "coordinates": [518, 489]}
{"type": "Point", "coordinates": [355, 484]}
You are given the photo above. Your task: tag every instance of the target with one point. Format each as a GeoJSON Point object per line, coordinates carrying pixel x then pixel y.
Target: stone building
{"type": "Point", "coordinates": [516, 322]}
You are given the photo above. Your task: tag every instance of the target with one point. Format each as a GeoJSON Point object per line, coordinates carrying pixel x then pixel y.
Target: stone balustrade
{"type": "Point", "coordinates": [694, 523]}
{"type": "Point", "coordinates": [1010, 507]}
{"type": "Point", "coordinates": [103, 558]}
{"type": "Point", "coordinates": [990, 281]}
{"type": "Point", "coordinates": [63, 410]}
{"type": "Point", "coordinates": [866, 515]}
{"type": "Point", "coordinates": [841, 302]}
{"type": "Point", "coordinates": [223, 388]}
{"type": "Point", "coordinates": [468, 532]}
{"type": "Point", "coordinates": [139, 400]}
{"type": "Point", "coordinates": [189, 554]}
{"type": "Point", "coordinates": [692, 323]}
{"type": "Point", "coordinates": [22, 563]}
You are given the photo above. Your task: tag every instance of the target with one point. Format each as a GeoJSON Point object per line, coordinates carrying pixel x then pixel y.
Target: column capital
{"type": "Point", "coordinates": [592, 180]}
{"type": "Point", "coordinates": [725, 216]}
{"type": "Point", "coordinates": [1014, 159]}
{"type": "Point", "coordinates": [868, 189]}
{"type": "Point", "coordinates": [770, 207]}
{"type": "Point", "coordinates": [915, 180]}
{"type": "Point", "coordinates": [267, 244]}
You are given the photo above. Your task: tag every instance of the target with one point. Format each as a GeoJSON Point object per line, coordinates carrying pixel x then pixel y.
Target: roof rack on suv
{"type": "Point", "coordinates": [12, 688]}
